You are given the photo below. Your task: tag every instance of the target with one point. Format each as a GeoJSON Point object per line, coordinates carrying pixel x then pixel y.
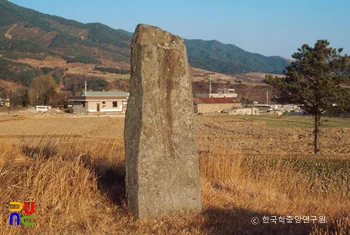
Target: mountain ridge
{"type": "Point", "coordinates": [27, 33]}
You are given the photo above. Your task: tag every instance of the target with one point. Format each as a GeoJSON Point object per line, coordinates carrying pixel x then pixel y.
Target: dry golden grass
{"type": "Point", "coordinates": [77, 182]}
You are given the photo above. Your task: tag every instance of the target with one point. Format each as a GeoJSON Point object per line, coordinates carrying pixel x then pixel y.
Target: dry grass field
{"type": "Point", "coordinates": [250, 167]}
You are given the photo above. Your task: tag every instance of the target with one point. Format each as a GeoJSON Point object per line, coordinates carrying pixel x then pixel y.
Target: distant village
{"type": "Point", "coordinates": [221, 101]}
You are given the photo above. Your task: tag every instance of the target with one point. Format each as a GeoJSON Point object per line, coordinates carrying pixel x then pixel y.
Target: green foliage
{"type": "Point", "coordinates": [64, 21]}
{"type": "Point", "coordinates": [47, 70]}
{"type": "Point", "coordinates": [12, 55]}
{"type": "Point", "coordinates": [15, 55]}
{"type": "Point", "coordinates": [82, 59]}
{"type": "Point", "coordinates": [64, 44]}
{"type": "Point", "coordinates": [315, 81]}
{"type": "Point", "coordinates": [11, 14]}
{"type": "Point", "coordinates": [19, 97]}
{"type": "Point", "coordinates": [43, 90]}
{"type": "Point", "coordinates": [246, 101]}
{"type": "Point", "coordinates": [99, 33]}
{"type": "Point", "coordinates": [57, 73]}
{"type": "Point", "coordinates": [72, 53]}
{"type": "Point", "coordinates": [112, 70]}
{"type": "Point", "coordinates": [76, 83]}
{"type": "Point", "coordinates": [21, 45]}
{"type": "Point", "coordinates": [17, 72]}
{"type": "Point", "coordinates": [63, 39]}
{"type": "Point", "coordinates": [226, 58]}
{"type": "Point", "coordinates": [94, 84]}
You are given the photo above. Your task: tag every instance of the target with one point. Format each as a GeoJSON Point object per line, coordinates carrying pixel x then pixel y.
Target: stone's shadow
{"type": "Point", "coordinates": [239, 221]}
{"type": "Point", "coordinates": [110, 177]}
{"type": "Point", "coordinates": [111, 181]}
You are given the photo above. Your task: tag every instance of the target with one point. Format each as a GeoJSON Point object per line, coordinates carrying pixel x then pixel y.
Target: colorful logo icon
{"type": "Point", "coordinates": [28, 208]}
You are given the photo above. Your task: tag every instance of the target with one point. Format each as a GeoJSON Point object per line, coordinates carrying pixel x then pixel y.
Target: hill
{"type": "Point", "coordinates": [230, 59]}
{"type": "Point", "coordinates": [30, 37]}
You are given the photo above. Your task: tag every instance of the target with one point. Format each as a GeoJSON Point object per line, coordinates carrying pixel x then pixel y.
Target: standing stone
{"type": "Point", "coordinates": [162, 172]}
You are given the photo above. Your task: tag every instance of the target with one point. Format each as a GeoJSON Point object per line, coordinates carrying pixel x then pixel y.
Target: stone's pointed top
{"type": "Point", "coordinates": [139, 26]}
{"type": "Point", "coordinates": [148, 34]}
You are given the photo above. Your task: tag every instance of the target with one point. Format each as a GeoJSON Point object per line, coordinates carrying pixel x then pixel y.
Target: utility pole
{"type": "Point", "coordinates": [209, 86]}
{"type": "Point", "coordinates": [267, 97]}
{"type": "Point", "coordinates": [10, 102]}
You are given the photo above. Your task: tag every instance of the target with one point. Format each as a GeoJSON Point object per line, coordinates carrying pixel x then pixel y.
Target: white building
{"type": "Point", "coordinates": [285, 107]}
{"type": "Point", "coordinates": [99, 101]}
{"type": "Point", "coordinates": [242, 111]}
{"type": "Point", "coordinates": [5, 102]}
{"type": "Point", "coordinates": [224, 93]}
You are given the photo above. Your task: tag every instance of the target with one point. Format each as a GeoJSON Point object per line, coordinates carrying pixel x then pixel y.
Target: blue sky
{"type": "Point", "coordinates": [268, 27]}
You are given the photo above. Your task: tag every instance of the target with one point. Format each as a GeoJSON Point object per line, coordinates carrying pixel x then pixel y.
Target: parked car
{"type": "Point", "coordinates": [42, 109]}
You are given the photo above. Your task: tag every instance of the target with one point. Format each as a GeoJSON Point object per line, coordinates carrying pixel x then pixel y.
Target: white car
{"type": "Point", "coordinates": [42, 109]}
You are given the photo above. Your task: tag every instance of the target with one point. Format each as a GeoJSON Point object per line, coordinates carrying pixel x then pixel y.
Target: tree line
{"type": "Point", "coordinates": [43, 90]}
{"type": "Point", "coordinates": [52, 88]}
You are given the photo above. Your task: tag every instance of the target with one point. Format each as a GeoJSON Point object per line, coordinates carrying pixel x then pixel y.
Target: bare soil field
{"type": "Point", "coordinates": [46, 125]}
{"type": "Point", "coordinates": [253, 169]}
{"type": "Point", "coordinates": [273, 135]}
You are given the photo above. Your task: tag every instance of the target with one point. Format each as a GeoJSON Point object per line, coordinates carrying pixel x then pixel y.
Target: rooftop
{"type": "Point", "coordinates": [215, 101]}
{"type": "Point", "coordinates": [104, 93]}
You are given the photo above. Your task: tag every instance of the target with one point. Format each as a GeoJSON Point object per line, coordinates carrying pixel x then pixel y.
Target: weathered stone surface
{"type": "Point", "coordinates": [162, 172]}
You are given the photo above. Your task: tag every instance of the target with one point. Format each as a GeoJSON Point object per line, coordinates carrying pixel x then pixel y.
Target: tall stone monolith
{"type": "Point", "coordinates": [162, 171]}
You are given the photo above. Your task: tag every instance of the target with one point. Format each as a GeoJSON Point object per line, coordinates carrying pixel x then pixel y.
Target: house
{"type": "Point", "coordinates": [220, 93]}
{"type": "Point", "coordinates": [223, 93]}
{"type": "Point", "coordinates": [286, 107]}
{"type": "Point", "coordinates": [99, 101]}
{"type": "Point", "coordinates": [211, 105]}
{"type": "Point", "coordinates": [275, 112]}
{"type": "Point", "coordinates": [263, 108]}
{"type": "Point", "coordinates": [5, 102]}
{"type": "Point", "coordinates": [243, 111]}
